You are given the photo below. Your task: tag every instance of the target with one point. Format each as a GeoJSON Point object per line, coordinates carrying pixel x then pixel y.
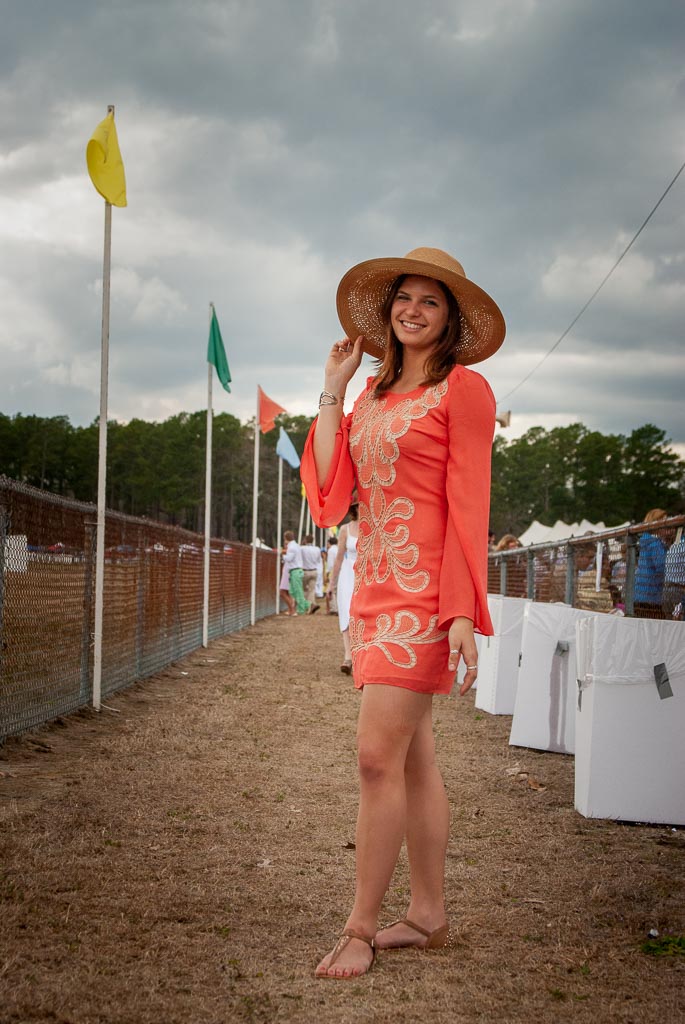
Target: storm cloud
{"type": "Point", "coordinates": [270, 146]}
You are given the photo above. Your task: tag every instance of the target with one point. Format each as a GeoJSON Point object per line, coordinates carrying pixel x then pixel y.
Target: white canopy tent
{"type": "Point", "coordinates": [537, 533]}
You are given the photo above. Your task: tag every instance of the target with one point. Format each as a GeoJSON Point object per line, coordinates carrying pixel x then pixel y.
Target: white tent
{"type": "Point", "coordinates": [537, 533]}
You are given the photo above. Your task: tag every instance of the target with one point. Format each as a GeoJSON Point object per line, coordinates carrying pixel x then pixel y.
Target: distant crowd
{"type": "Point", "coordinates": [601, 569]}
{"type": "Point", "coordinates": [311, 573]}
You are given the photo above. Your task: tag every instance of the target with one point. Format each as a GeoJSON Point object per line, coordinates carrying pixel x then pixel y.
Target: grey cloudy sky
{"type": "Point", "coordinates": [270, 145]}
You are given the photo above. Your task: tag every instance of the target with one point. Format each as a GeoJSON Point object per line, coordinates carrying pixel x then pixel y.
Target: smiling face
{"type": "Point", "coordinates": [419, 313]}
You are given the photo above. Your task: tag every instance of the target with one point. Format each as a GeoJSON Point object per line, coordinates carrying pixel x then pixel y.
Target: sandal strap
{"type": "Point", "coordinates": [415, 927]}
{"type": "Point", "coordinates": [344, 940]}
{"type": "Point", "coordinates": [358, 935]}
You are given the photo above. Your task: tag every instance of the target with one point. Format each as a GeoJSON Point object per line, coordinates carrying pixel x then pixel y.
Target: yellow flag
{"type": "Point", "coordinates": [105, 165]}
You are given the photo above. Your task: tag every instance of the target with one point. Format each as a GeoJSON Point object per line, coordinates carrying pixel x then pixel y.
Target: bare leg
{"type": "Point", "coordinates": [345, 634]}
{"type": "Point", "coordinates": [388, 720]}
{"type": "Point", "coordinates": [289, 602]}
{"type": "Point", "coordinates": [427, 836]}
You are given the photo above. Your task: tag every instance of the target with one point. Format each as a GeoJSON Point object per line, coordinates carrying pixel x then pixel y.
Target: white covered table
{"type": "Point", "coordinates": [499, 656]}
{"type": "Point", "coordinates": [630, 734]}
{"type": "Point", "coordinates": [546, 691]}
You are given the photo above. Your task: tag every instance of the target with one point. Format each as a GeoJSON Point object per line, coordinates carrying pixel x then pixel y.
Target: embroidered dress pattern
{"type": "Point", "coordinates": [385, 549]}
{"type": "Point", "coordinates": [376, 429]}
{"type": "Point", "coordinates": [420, 464]}
{"type": "Point", "coordinates": [404, 632]}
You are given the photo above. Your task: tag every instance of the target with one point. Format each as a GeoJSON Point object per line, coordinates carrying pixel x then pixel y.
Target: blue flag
{"type": "Point", "coordinates": [285, 449]}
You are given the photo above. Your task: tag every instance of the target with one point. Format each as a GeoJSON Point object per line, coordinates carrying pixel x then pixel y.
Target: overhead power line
{"type": "Point", "coordinates": [599, 286]}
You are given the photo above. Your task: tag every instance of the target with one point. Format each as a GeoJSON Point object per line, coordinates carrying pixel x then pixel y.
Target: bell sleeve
{"type": "Point", "coordinates": [464, 570]}
{"type": "Point", "coordinates": [329, 504]}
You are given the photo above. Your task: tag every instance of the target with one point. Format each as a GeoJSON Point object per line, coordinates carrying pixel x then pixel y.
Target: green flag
{"type": "Point", "coordinates": [216, 353]}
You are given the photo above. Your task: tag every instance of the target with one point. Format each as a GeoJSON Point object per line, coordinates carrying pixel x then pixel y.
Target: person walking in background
{"type": "Point", "coordinates": [342, 581]}
{"type": "Point", "coordinates": [320, 571]}
{"type": "Point", "coordinates": [311, 564]}
{"type": "Point", "coordinates": [284, 585]}
{"type": "Point", "coordinates": [331, 598]}
{"type": "Point", "coordinates": [650, 569]}
{"type": "Point", "coordinates": [417, 449]}
{"type": "Point", "coordinates": [293, 561]}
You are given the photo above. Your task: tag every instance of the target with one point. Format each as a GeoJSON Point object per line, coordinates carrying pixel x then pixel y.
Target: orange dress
{"type": "Point", "coordinates": [421, 465]}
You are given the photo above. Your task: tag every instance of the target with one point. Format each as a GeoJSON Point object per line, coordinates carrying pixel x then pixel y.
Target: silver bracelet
{"type": "Point", "coordinates": [328, 398]}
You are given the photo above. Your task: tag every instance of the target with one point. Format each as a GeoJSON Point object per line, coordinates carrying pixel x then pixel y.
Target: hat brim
{"type": "Point", "coordinates": [364, 289]}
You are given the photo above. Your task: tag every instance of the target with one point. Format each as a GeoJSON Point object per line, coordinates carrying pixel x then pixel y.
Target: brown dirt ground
{"type": "Point", "coordinates": [183, 857]}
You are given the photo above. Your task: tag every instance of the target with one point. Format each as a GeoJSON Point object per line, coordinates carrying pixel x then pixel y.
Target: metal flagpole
{"type": "Point", "coordinates": [299, 532]}
{"type": "Point", "coordinates": [208, 501]}
{"type": "Point", "coordinates": [279, 523]}
{"type": "Point", "coordinates": [102, 460]}
{"type": "Point", "coordinates": [255, 498]}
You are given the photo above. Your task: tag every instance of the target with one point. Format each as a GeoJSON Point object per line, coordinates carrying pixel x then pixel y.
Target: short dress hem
{"type": "Point", "coordinates": [416, 686]}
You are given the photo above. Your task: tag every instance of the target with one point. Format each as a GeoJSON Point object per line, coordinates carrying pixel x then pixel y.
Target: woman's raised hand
{"type": "Point", "coordinates": [342, 364]}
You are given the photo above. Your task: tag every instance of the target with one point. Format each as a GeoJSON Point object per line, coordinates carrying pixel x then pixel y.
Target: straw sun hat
{"type": "Point", "coordinates": [364, 288]}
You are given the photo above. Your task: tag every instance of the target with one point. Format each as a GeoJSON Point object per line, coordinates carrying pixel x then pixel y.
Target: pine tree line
{"type": "Point", "coordinates": [158, 469]}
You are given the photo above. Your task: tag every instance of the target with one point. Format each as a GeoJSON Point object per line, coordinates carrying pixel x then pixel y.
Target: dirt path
{"type": "Point", "coordinates": [184, 858]}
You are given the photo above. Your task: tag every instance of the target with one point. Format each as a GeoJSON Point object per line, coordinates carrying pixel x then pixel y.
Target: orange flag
{"type": "Point", "coordinates": [268, 410]}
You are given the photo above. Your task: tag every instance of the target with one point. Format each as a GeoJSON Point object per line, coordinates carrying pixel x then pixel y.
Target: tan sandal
{"type": "Point", "coordinates": [437, 939]}
{"type": "Point", "coordinates": [340, 945]}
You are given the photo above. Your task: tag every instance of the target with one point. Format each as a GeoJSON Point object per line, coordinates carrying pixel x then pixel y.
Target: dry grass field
{"type": "Point", "coordinates": [184, 858]}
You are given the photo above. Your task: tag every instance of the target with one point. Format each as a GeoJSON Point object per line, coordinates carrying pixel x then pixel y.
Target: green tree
{"type": "Point", "coordinates": [653, 474]}
{"type": "Point", "coordinates": [158, 470]}
{"type": "Point", "coordinates": [573, 473]}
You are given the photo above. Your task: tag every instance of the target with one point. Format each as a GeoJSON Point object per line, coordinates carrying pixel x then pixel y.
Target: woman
{"type": "Point", "coordinates": [508, 543]}
{"type": "Point", "coordinates": [417, 449]}
{"type": "Point", "coordinates": [342, 582]}
{"type": "Point", "coordinates": [517, 575]}
{"type": "Point", "coordinates": [284, 584]}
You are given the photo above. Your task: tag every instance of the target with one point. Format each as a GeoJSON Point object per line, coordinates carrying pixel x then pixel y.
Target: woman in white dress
{"type": "Point", "coordinates": [342, 581]}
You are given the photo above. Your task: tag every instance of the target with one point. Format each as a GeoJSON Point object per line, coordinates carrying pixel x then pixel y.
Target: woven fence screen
{"type": "Point", "coordinates": [636, 571]}
{"type": "Point", "coordinates": [153, 600]}
{"type": "Point", "coordinates": [153, 593]}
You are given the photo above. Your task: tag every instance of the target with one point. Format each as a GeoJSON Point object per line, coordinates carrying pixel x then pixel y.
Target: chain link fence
{"type": "Point", "coordinates": [153, 597]}
{"type": "Point", "coordinates": [153, 593]}
{"type": "Point", "coordinates": [637, 571]}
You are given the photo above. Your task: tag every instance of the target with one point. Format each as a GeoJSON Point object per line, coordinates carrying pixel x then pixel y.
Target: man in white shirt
{"type": "Point", "coordinates": [294, 564]}
{"type": "Point", "coordinates": [311, 561]}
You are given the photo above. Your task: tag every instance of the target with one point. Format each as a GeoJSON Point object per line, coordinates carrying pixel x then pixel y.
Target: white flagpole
{"type": "Point", "coordinates": [299, 532]}
{"type": "Point", "coordinates": [102, 460]}
{"type": "Point", "coordinates": [279, 523]}
{"type": "Point", "coordinates": [255, 498]}
{"type": "Point", "coordinates": [208, 501]}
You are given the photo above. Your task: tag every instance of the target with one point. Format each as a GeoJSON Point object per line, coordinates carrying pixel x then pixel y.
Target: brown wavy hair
{"type": "Point", "coordinates": [654, 515]}
{"type": "Point", "coordinates": [443, 357]}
